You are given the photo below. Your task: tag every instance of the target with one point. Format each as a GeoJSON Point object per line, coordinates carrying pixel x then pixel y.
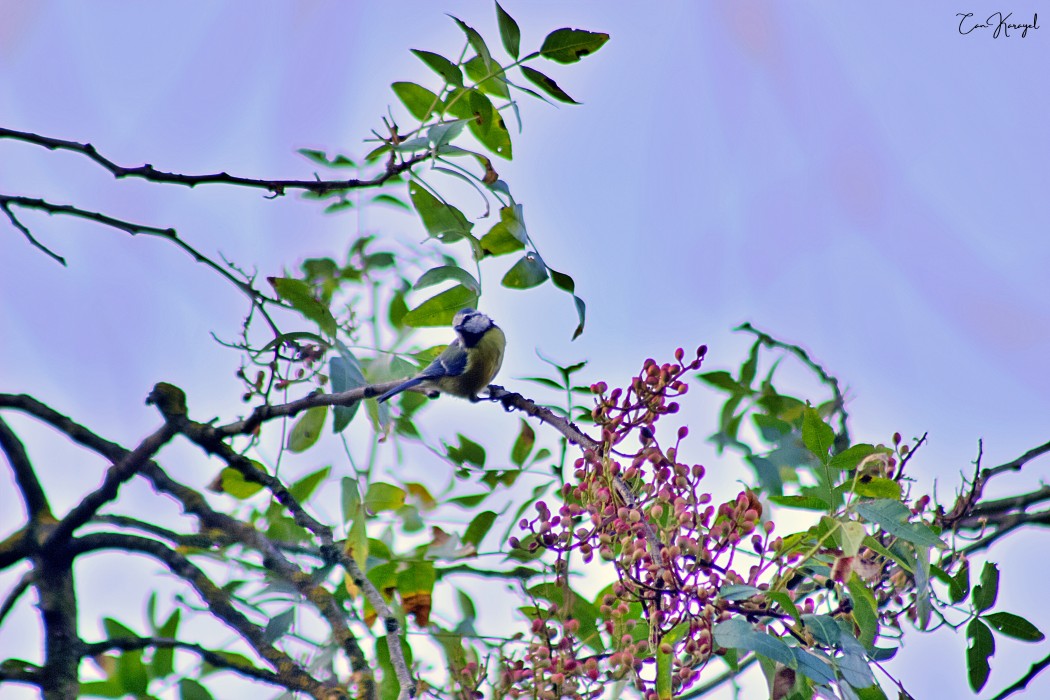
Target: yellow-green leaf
{"type": "Point", "coordinates": [307, 429]}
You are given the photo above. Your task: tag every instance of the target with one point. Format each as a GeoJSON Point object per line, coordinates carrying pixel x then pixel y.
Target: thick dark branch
{"type": "Point", "coordinates": [990, 509]}
{"type": "Point", "coordinates": [1016, 464]}
{"type": "Point", "coordinates": [53, 579]}
{"type": "Point", "coordinates": [123, 470]}
{"type": "Point", "coordinates": [1022, 682]}
{"type": "Point", "coordinates": [268, 412]}
{"type": "Point", "coordinates": [1002, 526]}
{"type": "Point", "coordinates": [32, 493]}
{"type": "Point", "coordinates": [148, 172]}
{"type": "Point", "coordinates": [214, 658]}
{"type": "Point", "coordinates": [292, 675]}
{"type": "Point", "coordinates": [78, 433]}
{"type": "Point", "coordinates": [194, 503]}
{"type": "Point", "coordinates": [210, 440]}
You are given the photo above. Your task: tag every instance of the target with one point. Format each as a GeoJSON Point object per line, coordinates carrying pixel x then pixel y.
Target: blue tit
{"type": "Point", "coordinates": [468, 364]}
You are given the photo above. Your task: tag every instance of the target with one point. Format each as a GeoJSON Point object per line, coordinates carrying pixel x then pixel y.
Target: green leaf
{"type": "Point", "coordinates": [190, 689]}
{"type": "Point", "coordinates": [279, 625]}
{"type": "Point", "coordinates": [877, 487]}
{"type": "Point", "coordinates": [960, 583]}
{"type": "Point", "coordinates": [300, 296]}
{"type": "Point", "coordinates": [508, 234]}
{"type": "Point", "coordinates": [817, 435]}
{"type": "Point", "coordinates": [566, 284]}
{"type": "Point", "coordinates": [814, 664]}
{"type": "Point", "coordinates": [852, 536]}
{"type": "Point", "coordinates": [475, 40]}
{"type": "Point", "coordinates": [523, 444]}
{"type": "Point", "coordinates": [528, 272]}
{"type": "Point", "coordinates": [849, 458]}
{"type": "Point", "coordinates": [321, 158]}
{"type": "Point", "coordinates": [985, 593]}
{"type": "Point", "coordinates": [824, 629]}
{"type": "Point", "coordinates": [163, 663]}
{"type": "Point", "coordinates": [305, 487]}
{"type": "Point", "coordinates": [350, 498]}
{"type": "Point", "coordinates": [444, 273]}
{"type": "Point", "coordinates": [419, 101]}
{"type": "Point", "coordinates": [720, 379]}
{"type": "Point", "coordinates": [980, 649]}
{"type": "Point", "coordinates": [800, 502]}
{"type": "Point", "coordinates": [382, 496]}
{"type": "Point", "coordinates": [892, 516]}
{"type": "Point", "coordinates": [439, 310]}
{"type": "Point", "coordinates": [865, 609]}
{"type": "Point", "coordinates": [737, 633]}
{"type": "Point", "coordinates": [491, 82]}
{"type": "Point", "coordinates": [468, 451]}
{"type": "Point", "coordinates": [118, 630]}
{"type": "Point", "coordinates": [547, 85]}
{"type": "Point", "coordinates": [345, 374]}
{"type": "Point", "coordinates": [234, 484]}
{"type": "Point", "coordinates": [786, 604]}
{"type": "Point", "coordinates": [737, 591]}
{"type": "Point", "coordinates": [307, 429]}
{"type": "Point", "coordinates": [508, 31]}
{"type": "Point", "coordinates": [442, 66]}
{"type": "Point", "coordinates": [442, 221]}
{"type": "Point", "coordinates": [923, 606]}
{"type": "Point", "coordinates": [444, 132]}
{"type": "Point", "coordinates": [417, 577]}
{"type": "Point", "coordinates": [570, 45]}
{"type": "Point", "coordinates": [391, 200]}
{"type": "Point", "coordinates": [487, 125]}
{"type": "Point", "coordinates": [1014, 626]}
{"type": "Point", "coordinates": [479, 527]}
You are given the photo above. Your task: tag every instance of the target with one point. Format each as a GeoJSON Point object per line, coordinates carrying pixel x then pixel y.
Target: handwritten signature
{"type": "Point", "coordinates": [997, 22]}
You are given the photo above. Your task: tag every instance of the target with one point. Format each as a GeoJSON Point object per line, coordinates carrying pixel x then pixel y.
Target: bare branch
{"type": "Point", "coordinates": [1016, 464]}
{"type": "Point", "coordinates": [1022, 683]}
{"type": "Point", "coordinates": [21, 587]}
{"type": "Point", "coordinates": [148, 172]}
{"type": "Point", "coordinates": [32, 493]}
{"type": "Point", "coordinates": [257, 298]}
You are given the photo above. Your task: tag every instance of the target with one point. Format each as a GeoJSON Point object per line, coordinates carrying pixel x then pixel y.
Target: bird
{"type": "Point", "coordinates": [469, 362]}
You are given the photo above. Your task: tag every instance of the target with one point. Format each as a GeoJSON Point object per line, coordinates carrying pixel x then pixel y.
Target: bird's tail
{"type": "Point", "coordinates": [415, 381]}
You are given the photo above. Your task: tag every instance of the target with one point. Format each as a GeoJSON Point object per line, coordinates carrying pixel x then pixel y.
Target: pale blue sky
{"type": "Point", "coordinates": [858, 178]}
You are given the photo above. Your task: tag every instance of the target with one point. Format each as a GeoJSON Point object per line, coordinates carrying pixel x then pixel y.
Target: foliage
{"type": "Point", "coordinates": [695, 587]}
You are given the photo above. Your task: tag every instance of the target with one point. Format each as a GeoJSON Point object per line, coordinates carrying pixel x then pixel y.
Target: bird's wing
{"type": "Point", "coordinates": [450, 363]}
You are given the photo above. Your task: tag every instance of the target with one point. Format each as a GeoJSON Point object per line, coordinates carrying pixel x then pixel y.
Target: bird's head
{"type": "Point", "coordinates": [470, 325]}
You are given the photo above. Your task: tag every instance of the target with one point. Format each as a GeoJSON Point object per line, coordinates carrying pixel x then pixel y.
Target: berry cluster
{"type": "Point", "coordinates": [647, 514]}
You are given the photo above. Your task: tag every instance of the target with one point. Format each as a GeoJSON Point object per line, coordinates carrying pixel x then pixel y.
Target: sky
{"type": "Point", "coordinates": [863, 179]}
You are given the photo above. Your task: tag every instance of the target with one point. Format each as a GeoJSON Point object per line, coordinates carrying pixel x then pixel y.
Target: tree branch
{"type": "Point", "coordinates": [292, 676]}
{"type": "Point", "coordinates": [214, 658]}
{"type": "Point", "coordinates": [257, 298]}
{"type": "Point", "coordinates": [123, 470]}
{"type": "Point", "coordinates": [148, 172]}
{"type": "Point", "coordinates": [32, 493]}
